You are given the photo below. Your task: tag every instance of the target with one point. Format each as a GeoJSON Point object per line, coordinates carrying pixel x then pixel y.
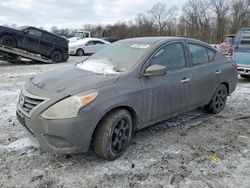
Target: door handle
{"type": "Point", "coordinates": [218, 72]}
{"type": "Point", "coordinates": [185, 80]}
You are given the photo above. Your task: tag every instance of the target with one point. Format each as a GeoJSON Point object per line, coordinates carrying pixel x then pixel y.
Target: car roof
{"type": "Point", "coordinates": [42, 30]}
{"type": "Point", "coordinates": [159, 40]}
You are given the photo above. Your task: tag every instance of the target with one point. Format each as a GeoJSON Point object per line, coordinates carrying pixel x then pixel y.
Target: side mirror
{"type": "Point", "coordinates": [155, 70]}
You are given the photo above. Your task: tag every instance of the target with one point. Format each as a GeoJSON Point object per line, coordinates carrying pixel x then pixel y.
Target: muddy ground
{"type": "Point", "coordinates": [192, 150]}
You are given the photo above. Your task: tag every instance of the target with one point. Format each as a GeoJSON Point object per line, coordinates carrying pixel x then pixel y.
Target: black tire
{"type": "Point", "coordinates": [56, 56]}
{"type": "Point", "coordinates": [113, 135]}
{"type": "Point", "coordinates": [218, 101]}
{"type": "Point", "coordinates": [8, 40]}
{"type": "Point", "coordinates": [66, 58]}
{"type": "Point", "coordinates": [80, 52]}
{"type": "Point", "coordinates": [244, 76]}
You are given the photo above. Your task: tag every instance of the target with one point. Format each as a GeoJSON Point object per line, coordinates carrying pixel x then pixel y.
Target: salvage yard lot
{"type": "Point", "coordinates": [192, 150]}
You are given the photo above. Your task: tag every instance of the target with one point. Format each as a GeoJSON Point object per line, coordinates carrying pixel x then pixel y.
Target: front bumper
{"type": "Point", "coordinates": [244, 70]}
{"type": "Point", "coordinates": [61, 136]}
{"type": "Point", "coordinates": [72, 51]}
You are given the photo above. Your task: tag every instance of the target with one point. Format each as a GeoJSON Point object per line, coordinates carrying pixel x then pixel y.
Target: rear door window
{"type": "Point", "coordinates": [211, 54]}
{"type": "Point", "coordinates": [98, 42]}
{"type": "Point", "coordinates": [90, 43]}
{"type": "Point", "coordinates": [48, 37]}
{"type": "Point", "coordinates": [200, 54]}
{"type": "Point", "coordinates": [35, 32]}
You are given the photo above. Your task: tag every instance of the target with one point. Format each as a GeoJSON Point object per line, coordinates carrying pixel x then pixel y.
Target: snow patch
{"type": "Point", "coordinates": [21, 144]}
{"type": "Point", "coordinates": [98, 66]}
{"type": "Point", "coordinates": [19, 74]}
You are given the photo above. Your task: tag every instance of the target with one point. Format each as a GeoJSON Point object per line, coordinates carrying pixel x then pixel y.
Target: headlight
{"type": "Point", "coordinates": [69, 107]}
{"type": "Point", "coordinates": [72, 47]}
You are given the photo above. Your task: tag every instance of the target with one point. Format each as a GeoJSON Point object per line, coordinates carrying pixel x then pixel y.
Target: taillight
{"type": "Point", "coordinates": [230, 51]}
{"type": "Point", "coordinates": [234, 65]}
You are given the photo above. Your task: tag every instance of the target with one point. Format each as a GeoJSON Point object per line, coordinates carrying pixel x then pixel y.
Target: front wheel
{"type": "Point", "coordinates": [218, 101]}
{"type": "Point", "coordinates": [56, 56]}
{"type": "Point", "coordinates": [113, 135]}
{"type": "Point", "coordinates": [79, 52]}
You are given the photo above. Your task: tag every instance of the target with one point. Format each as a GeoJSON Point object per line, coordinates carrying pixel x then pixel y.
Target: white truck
{"type": "Point", "coordinates": [80, 35]}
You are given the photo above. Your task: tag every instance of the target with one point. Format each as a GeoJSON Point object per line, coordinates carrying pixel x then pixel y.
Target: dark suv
{"type": "Point", "coordinates": [36, 41]}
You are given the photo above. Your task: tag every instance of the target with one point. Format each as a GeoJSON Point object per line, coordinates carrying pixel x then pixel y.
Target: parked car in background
{"type": "Point", "coordinates": [86, 46]}
{"type": "Point", "coordinates": [240, 52]}
{"type": "Point", "coordinates": [37, 41]}
{"type": "Point", "coordinates": [125, 87]}
{"type": "Point", "coordinates": [79, 35]}
{"type": "Point", "coordinates": [226, 44]}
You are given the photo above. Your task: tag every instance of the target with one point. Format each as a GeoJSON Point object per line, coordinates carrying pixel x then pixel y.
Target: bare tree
{"type": "Point", "coordinates": [196, 20]}
{"type": "Point", "coordinates": [221, 9]}
{"type": "Point", "coordinates": [145, 26]}
{"type": "Point", "coordinates": [240, 15]}
{"type": "Point", "coordinates": [207, 20]}
{"type": "Point", "coordinates": [162, 15]}
{"type": "Point", "coordinates": [53, 29]}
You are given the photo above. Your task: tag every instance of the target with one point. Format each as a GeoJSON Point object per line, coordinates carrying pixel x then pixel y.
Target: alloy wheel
{"type": "Point", "coordinates": [120, 136]}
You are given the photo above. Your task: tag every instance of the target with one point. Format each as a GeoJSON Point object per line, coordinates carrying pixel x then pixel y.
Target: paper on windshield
{"type": "Point", "coordinates": [142, 46]}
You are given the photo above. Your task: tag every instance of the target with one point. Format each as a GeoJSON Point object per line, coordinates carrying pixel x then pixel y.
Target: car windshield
{"type": "Point", "coordinates": [115, 58]}
{"type": "Point", "coordinates": [80, 35]}
{"type": "Point", "coordinates": [229, 39]}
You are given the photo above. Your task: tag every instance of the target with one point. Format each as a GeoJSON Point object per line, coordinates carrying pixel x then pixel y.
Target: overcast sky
{"type": "Point", "coordinates": [74, 13]}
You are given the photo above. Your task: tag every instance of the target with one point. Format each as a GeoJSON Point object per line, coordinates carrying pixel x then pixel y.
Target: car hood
{"type": "Point", "coordinates": [72, 80]}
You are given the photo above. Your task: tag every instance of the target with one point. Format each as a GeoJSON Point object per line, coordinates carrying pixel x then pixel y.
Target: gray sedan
{"type": "Point", "coordinates": [123, 88]}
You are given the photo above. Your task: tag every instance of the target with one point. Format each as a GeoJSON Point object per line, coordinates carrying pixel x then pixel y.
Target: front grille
{"type": "Point", "coordinates": [27, 103]}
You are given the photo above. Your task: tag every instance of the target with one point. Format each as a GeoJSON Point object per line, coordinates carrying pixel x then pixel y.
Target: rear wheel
{"type": "Point", "coordinates": [66, 58]}
{"type": "Point", "coordinates": [56, 56]}
{"type": "Point", "coordinates": [79, 52]}
{"type": "Point", "coordinates": [113, 135]}
{"type": "Point", "coordinates": [218, 101]}
{"type": "Point", "coordinates": [8, 40]}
